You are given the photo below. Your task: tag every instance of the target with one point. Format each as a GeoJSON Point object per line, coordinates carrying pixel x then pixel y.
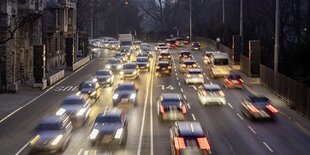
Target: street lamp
{"type": "Point", "coordinates": [276, 43]}
{"type": "Point", "coordinates": [190, 21]}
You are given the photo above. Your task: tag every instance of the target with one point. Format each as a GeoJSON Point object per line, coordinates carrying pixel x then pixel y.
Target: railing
{"type": "Point", "coordinates": [294, 93]}
{"type": "Point", "coordinates": [80, 63]}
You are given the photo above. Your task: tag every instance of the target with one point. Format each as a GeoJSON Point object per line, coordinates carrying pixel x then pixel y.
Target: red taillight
{"type": "Point", "coordinates": [221, 93]}
{"type": "Point", "coordinates": [272, 108]}
{"type": "Point", "coordinates": [184, 110]}
{"type": "Point", "coordinates": [169, 56]}
{"type": "Point", "coordinates": [252, 108]}
{"type": "Point", "coordinates": [169, 67]}
{"type": "Point", "coordinates": [179, 143]}
{"type": "Point", "coordinates": [203, 143]}
{"type": "Point", "coordinates": [162, 109]}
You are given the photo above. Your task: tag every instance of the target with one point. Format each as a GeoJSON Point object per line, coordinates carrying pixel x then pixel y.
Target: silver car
{"type": "Point", "coordinates": [194, 76]}
{"type": "Point", "coordinates": [130, 71]}
{"type": "Point", "coordinates": [114, 64]}
{"type": "Point", "coordinates": [52, 134]}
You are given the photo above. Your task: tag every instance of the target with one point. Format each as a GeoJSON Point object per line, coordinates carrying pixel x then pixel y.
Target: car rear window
{"type": "Point", "coordinates": [108, 119]}
{"type": "Point", "coordinates": [194, 72]}
{"type": "Point", "coordinates": [125, 87]}
{"type": "Point", "coordinates": [48, 126]}
{"type": "Point", "coordinates": [234, 77]}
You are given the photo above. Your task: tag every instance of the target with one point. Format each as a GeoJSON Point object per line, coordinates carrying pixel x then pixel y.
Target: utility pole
{"type": "Point", "coordinates": [190, 21]}
{"type": "Point", "coordinates": [276, 43]}
{"type": "Point", "coordinates": [223, 11]}
{"type": "Point", "coordinates": [241, 24]}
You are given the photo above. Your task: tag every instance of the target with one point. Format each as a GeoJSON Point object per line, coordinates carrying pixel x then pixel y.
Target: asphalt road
{"type": "Point", "coordinates": [228, 131]}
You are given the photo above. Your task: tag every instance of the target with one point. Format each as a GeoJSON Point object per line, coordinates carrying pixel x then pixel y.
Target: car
{"type": "Point", "coordinates": [126, 49]}
{"type": "Point", "coordinates": [147, 52]}
{"type": "Point", "coordinates": [186, 64]}
{"type": "Point", "coordinates": [163, 49]}
{"type": "Point", "coordinates": [122, 56]}
{"type": "Point", "coordinates": [124, 93]}
{"type": "Point", "coordinates": [233, 81]}
{"type": "Point", "coordinates": [145, 45]}
{"type": "Point", "coordinates": [164, 55]}
{"type": "Point", "coordinates": [104, 77]}
{"type": "Point", "coordinates": [210, 94]}
{"type": "Point", "coordinates": [207, 57]}
{"type": "Point", "coordinates": [188, 138]}
{"type": "Point", "coordinates": [114, 45]}
{"type": "Point", "coordinates": [196, 46]}
{"type": "Point", "coordinates": [143, 63]}
{"type": "Point", "coordinates": [109, 127]}
{"type": "Point", "coordinates": [163, 68]}
{"type": "Point", "coordinates": [180, 42]}
{"type": "Point", "coordinates": [143, 54]}
{"type": "Point", "coordinates": [114, 64]}
{"type": "Point", "coordinates": [78, 107]}
{"type": "Point", "coordinates": [194, 76]}
{"type": "Point", "coordinates": [91, 88]}
{"type": "Point", "coordinates": [53, 134]}
{"type": "Point", "coordinates": [137, 44]}
{"type": "Point", "coordinates": [160, 45]}
{"type": "Point", "coordinates": [105, 44]}
{"type": "Point", "coordinates": [130, 71]}
{"type": "Point", "coordinates": [171, 106]}
{"type": "Point", "coordinates": [170, 43]}
{"type": "Point", "coordinates": [185, 55]}
{"type": "Point", "coordinates": [258, 107]}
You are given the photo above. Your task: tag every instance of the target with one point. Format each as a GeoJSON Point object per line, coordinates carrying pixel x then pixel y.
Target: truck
{"type": "Point", "coordinates": [125, 39]}
{"type": "Point", "coordinates": [219, 64]}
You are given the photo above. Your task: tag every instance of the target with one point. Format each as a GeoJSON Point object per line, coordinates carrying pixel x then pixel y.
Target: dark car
{"type": "Point", "coordinates": [164, 55]}
{"type": "Point", "coordinates": [233, 81]}
{"type": "Point", "coordinates": [110, 127]}
{"type": "Point", "coordinates": [124, 93]}
{"type": "Point", "coordinates": [143, 63]}
{"type": "Point", "coordinates": [91, 88]}
{"type": "Point", "coordinates": [258, 107]}
{"type": "Point", "coordinates": [163, 68]}
{"type": "Point", "coordinates": [105, 77]}
{"type": "Point", "coordinates": [186, 64]}
{"type": "Point", "coordinates": [185, 55]}
{"type": "Point", "coordinates": [114, 64]}
{"type": "Point", "coordinates": [130, 71]}
{"type": "Point", "coordinates": [188, 138]}
{"type": "Point", "coordinates": [52, 134]}
{"type": "Point", "coordinates": [196, 46]}
{"type": "Point", "coordinates": [171, 106]}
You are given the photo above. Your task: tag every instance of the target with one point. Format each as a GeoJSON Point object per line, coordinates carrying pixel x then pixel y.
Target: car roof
{"type": "Point", "coordinates": [88, 81]}
{"type": "Point", "coordinates": [161, 44]}
{"type": "Point", "coordinates": [252, 97]}
{"type": "Point", "coordinates": [176, 96]}
{"type": "Point", "coordinates": [103, 70]}
{"type": "Point", "coordinates": [189, 128]}
{"type": "Point", "coordinates": [185, 52]}
{"type": "Point", "coordinates": [211, 86]}
{"type": "Point", "coordinates": [194, 70]}
{"type": "Point", "coordinates": [52, 119]}
{"type": "Point", "coordinates": [112, 112]}
{"type": "Point", "coordinates": [164, 52]}
{"type": "Point", "coordinates": [188, 60]}
{"type": "Point", "coordinates": [163, 62]}
{"type": "Point", "coordinates": [127, 83]}
{"type": "Point", "coordinates": [129, 63]}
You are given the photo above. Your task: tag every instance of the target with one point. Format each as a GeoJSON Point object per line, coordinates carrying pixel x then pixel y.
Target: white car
{"type": "Point", "coordinates": [194, 76]}
{"type": "Point", "coordinates": [210, 94]}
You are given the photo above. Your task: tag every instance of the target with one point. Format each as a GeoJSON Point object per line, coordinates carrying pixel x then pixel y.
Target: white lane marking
{"type": "Point", "coordinates": [173, 64]}
{"type": "Point", "coordinates": [208, 78]}
{"type": "Point", "coordinates": [193, 86]}
{"type": "Point", "coordinates": [80, 152]}
{"type": "Point", "coordinates": [268, 147]}
{"type": "Point", "coordinates": [143, 117]}
{"type": "Point", "coordinates": [204, 73]}
{"type": "Point", "coordinates": [211, 83]}
{"type": "Point", "coordinates": [20, 150]}
{"type": "Point", "coordinates": [176, 74]}
{"type": "Point", "coordinates": [230, 105]}
{"type": "Point", "coordinates": [151, 114]}
{"type": "Point", "coordinates": [179, 83]}
{"type": "Point", "coordinates": [178, 78]}
{"type": "Point", "coordinates": [239, 116]}
{"type": "Point", "coordinates": [252, 129]}
{"type": "Point", "coordinates": [194, 118]}
{"type": "Point", "coordinates": [185, 97]}
{"type": "Point", "coordinates": [25, 105]}
{"type": "Point", "coordinates": [85, 152]}
{"type": "Point", "coordinates": [175, 70]}
{"type": "Point", "coordinates": [182, 90]}
{"type": "Point", "coordinates": [189, 106]}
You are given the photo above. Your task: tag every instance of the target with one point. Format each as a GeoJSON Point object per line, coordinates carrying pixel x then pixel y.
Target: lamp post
{"type": "Point", "coordinates": [190, 21]}
{"type": "Point", "coordinates": [241, 25]}
{"type": "Point", "coordinates": [223, 11]}
{"type": "Point", "coordinates": [276, 43]}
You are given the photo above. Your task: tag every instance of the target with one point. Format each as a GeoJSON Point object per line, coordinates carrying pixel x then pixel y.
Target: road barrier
{"type": "Point", "coordinates": [80, 63]}
{"type": "Point", "coordinates": [56, 77]}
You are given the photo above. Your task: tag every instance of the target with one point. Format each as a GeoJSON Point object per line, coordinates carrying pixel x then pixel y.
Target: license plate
{"type": "Point", "coordinates": [124, 100]}
{"type": "Point", "coordinates": [164, 69]}
{"type": "Point", "coordinates": [235, 81]}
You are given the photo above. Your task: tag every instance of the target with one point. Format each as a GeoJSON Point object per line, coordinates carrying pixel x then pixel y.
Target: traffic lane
{"type": "Point", "coordinates": [165, 84]}
{"type": "Point", "coordinates": [17, 129]}
{"type": "Point", "coordinates": [272, 133]}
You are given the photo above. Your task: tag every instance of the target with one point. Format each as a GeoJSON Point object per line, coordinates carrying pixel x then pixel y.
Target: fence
{"type": "Point", "coordinates": [294, 93]}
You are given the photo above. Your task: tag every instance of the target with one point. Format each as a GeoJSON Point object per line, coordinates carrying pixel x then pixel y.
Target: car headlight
{"type": "Point", "coordinates": [133, 96]}
{"type": "Point", "coordinates": [57, 139]}
{"type": "Point", "coordinates": [147, 65]}
{"type": "Point", "coordinates": [109, 79]}
{"type": "Point", "coordinates": [135, 72]}
{"type": "Point", "coordinates": [119, 66]}
{"type": "Point", "coordinates": [108, 66]}
{"type": "Point", "coordinates": [81, 112]}
{"type": "Point", "coordinates": [95, 80]}
{"type": "Point", "coordinates": [35, 139]}
{"type": "Point", "coordinates": [115, 96]}
{"type": "Point", "coordinates": [93, 134]}
{"type": "Point", "coordinates": [93, 93]}
{"type": "Point", "coordinates": [60, 112]}
{"type": "Point", "coordinates": [118, 133]}
{"type": "Point", "coordinates": [121, 72]}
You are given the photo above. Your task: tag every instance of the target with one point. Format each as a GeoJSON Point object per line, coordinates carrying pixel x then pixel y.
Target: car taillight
{"type": "Point", "coordinates": [188, 75]}
{"type": "Point", "coordinates": [162, 109]}
{"type": "Point", "coordinates": [183, 65]}
{"type": "Point", "coordinates": [200, 75]}
{"type": "Point", "coordinates": [194, 65]}
{"type": "Point", "coordinates": [272, 108]}
{"type": "Point", "coordinates": [157, 67]}
{"type": "Point", "coordinates": [160, 56]}
{"type": "Point", "coordinates": [169, 56]}
{"type": "Point", "coordinates": [179, 143]}
{"type": "Point", "coordinates": [169, 67]}
{"type": "Point", "coordinates": [252, 108]}
{"type": "Point", "coordinates": [203, 143]}
{"type": "Point", "coordinates": [221, 93]}
{"type": "Point", "coordinates": [184, 110]}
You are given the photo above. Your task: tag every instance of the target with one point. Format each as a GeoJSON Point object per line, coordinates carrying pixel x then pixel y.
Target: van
{"type": "Point", "coordinates": [219, 65]}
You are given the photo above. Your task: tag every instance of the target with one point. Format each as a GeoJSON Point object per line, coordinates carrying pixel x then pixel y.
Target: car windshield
{"type": "Point", "coordinates": [171, 102]}
{"type": "Point", "coordinates": [103, 73]}
{"type": "Point", "coordinates": [87, 85]}
{"type": "Point", "coordinates": [142, 59]}
{"type": "Point", "coordinates": [119, 54]}
{"type": "Point", "coordinates": [185, 53]}
{"type": "Point", "coordinates": [114, 61]}
{"type": "Point", "coordinates": [163, 64]}
{"type": "Point", "coordinates": [48, 126]}
{"type": "Point", "coordinates": [108, 119]}
{"type": "Point", "coordinates": [194, 72]}
{"type": "Point", "coordinates": [72, 102]}
{"type": "Point", "coordinates": [126, 43]}
{"type": "Point", "coordinates": [125, 87]}
{"type": "Point", "coordinates": [163, 48]}
{"type": "Point", "coordinates": [220, 61]}
{"type": "Point", "coordinates": [189, 62]}
{"type": "Point", "coordinates": [129, 66]}
{"type": "Point", "coordinates": [234, 77]}
{"type": "Point", "coordinates": [165, 54]}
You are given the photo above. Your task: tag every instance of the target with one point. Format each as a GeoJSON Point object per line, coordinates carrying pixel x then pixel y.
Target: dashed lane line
{"type": "Point", "coordinates": [268, 147]}
{"type": "Point", "coordinates": [240, 116]}
{"type": "Point", "coordinates": [193, 116]}
{"type": "Point", "coordinates": [252, 129]}
{"type": "Point", "coordinates": [230, 105]}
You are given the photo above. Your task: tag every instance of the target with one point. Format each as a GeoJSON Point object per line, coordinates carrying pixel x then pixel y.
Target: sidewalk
{"type": "Point", "coordinates": [284, 110]}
